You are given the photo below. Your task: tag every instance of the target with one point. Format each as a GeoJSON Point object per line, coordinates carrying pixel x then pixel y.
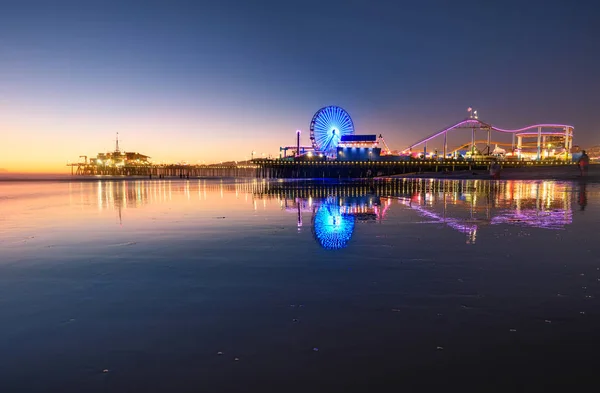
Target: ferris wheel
{"type": "Point", "coordinates": [327, 127]}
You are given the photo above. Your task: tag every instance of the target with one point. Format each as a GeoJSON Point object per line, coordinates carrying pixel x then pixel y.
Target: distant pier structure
{"type": "Point", "coordinates": [163, 171]}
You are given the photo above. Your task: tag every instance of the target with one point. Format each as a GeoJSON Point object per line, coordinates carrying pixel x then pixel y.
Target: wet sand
{"type": "Point", "coordinates": [189, 286]}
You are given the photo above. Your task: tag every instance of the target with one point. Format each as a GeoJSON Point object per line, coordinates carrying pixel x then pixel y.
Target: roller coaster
{"type": "Point", "coordinates": [559, 136]}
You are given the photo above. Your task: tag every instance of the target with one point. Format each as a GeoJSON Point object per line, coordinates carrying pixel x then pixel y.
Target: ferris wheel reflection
{"type": "Point", "coordinates": [333, 218]}
{"type": "Point", "coordinates": [331, 227]}
{"type": "Point", "coordinates": [465, 206]}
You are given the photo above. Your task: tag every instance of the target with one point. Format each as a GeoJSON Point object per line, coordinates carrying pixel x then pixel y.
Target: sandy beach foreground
{"type": "Point", "coordinates": [569, 172]}
{"type": "Point", "coordinates": [250, 286]}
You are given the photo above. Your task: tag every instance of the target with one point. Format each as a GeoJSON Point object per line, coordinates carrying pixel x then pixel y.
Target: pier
{"type": "Point", "coordinates": [163, 171]}
{"type": "Point", "coordinates": [336, 152]}
{"type": "Point", "coordinates": [281, 169]}
{"type": "Point", "coordinates": [276, 169]}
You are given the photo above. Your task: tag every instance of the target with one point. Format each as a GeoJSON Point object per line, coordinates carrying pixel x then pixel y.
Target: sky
{"type": "Point", "coordinates": [210, 81]}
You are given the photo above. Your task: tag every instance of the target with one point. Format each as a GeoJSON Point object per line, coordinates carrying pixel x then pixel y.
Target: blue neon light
{"type": "Point", "coordinates": [332, 229]}
{"type": "Point", "coordinates": [327, 127]}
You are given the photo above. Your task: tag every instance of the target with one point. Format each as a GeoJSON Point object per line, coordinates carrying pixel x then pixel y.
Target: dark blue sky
{"type": "Point", "coordinates": [243, 75]}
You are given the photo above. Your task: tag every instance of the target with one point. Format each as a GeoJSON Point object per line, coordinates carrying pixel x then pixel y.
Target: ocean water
{"type": "Point", "coordinates": [256, 286]}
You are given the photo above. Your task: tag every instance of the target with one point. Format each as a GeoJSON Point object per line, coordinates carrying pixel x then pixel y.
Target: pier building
{"type": "Point", "coordinates": [358, 148]}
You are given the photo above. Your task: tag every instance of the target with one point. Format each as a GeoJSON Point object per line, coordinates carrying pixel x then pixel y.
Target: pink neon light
{"type": "Point", "coordinates": [543, 133]}
{"type": "Point", "coordinates": [480, 123]}
{"type": "Point", "coordinates": [534, 126]}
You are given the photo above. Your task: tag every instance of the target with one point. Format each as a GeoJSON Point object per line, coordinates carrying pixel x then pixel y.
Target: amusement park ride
{"type": "Point", "coordinates": [332, 137]}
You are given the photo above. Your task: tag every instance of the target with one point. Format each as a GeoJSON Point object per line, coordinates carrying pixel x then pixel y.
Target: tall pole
{"type": "Point", "coordinates": [117, 145]}
{"type": "Point", "coordinates": [489, 141]}
{"type": "Point", "coordinates": [545, 149]}
{"type": "Point", "coordinates": [298, 142]}
{"type": "Point", "coordinates": [539, 143]}
{"type": "Point", "coordinates": [513, 144]}
{"type": "Point", "coordinates": [445, 143]}
{"type": "Point", "coordinates": [567, 144]}
{"type": "Point", "coordinates": [472, 141]}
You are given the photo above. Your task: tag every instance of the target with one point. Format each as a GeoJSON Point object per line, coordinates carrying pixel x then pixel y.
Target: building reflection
{"type": "Point", "coordinates": [465, 206]}
{"type": "Point", "coordinates": [333, 218]}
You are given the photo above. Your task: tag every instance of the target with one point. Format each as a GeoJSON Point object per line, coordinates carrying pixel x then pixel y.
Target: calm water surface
{"type": "Point", "coordinates": [252, 286]}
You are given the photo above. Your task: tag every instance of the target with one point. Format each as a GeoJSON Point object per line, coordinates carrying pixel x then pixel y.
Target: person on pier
{"type": "Point", "coordinates": [495, 170]}
{"type": "Point", "coordinates": [583, 163]}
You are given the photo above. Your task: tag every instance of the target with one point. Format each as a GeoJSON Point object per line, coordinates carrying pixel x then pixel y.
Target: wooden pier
{"type": "Point", "coordinates": [282, 169]}
{"type": "Point", "coordinates": [277, 169]}
{"type": "Point", "coordinates": [163, 171]}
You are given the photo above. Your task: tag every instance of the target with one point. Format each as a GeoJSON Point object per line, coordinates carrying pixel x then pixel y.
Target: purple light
{"type": "Point", "coordinates": [480, 123]}
{"type": "Point", "coordinates": [551, 219]}
{"type": "Point", "coordinates": [453, 223]}
{"type": "Point", "coordinates": [447, 129]}
{"type": "Point", "coordinates": [533, 126]}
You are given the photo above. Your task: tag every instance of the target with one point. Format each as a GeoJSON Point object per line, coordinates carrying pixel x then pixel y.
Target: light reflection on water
{"type": "Point", "coordinates": [465, 206]}
{"type": "Point", "coordinates": [226, 284]}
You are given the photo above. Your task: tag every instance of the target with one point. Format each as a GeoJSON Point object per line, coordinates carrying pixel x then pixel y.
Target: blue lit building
{"type": "Point", "coordinates": [358, 148]}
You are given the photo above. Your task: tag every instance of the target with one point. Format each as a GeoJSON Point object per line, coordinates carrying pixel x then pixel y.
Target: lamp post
{"type": "Point", "coordinates": [298, 142]}
{"type": "Point", "coordinates": [253, 153]}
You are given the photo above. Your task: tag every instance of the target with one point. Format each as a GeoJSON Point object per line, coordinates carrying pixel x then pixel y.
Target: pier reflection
{"type": "Point", "coordinates": [465, 206]}
{"type": "Point", "coordinates": [122, 195]}
{"type": "Point", "coordinates": [333, 209]}
{"type": "Point", "coordinates": [471, 205]}
{"type": "Point", "coordinates": [333, 218]}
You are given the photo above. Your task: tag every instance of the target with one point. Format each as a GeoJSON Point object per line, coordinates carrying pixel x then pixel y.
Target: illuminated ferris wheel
{"type": "Point", "coordinates": [327, 127]}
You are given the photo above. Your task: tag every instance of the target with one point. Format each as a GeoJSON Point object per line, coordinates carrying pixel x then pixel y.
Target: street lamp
{"type": "Point", "coordinates": [253, 153]}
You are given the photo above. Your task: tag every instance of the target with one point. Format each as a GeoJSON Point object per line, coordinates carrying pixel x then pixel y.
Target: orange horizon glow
{"type": "Point", "coordinates": [45, 142]}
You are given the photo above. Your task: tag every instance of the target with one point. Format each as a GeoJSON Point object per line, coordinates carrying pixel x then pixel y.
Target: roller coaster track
{"type": "Point", "coordinates": [482, 141]}
{"type": "Point", "coordinates": [478, 124]}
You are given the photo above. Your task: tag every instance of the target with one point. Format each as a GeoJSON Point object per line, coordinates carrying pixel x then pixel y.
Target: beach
{"type": "Point", "coordinates": [238, 285]}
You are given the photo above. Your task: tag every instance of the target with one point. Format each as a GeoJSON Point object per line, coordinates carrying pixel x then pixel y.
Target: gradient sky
{"type": "Point", "coordinates": [211, 81]}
